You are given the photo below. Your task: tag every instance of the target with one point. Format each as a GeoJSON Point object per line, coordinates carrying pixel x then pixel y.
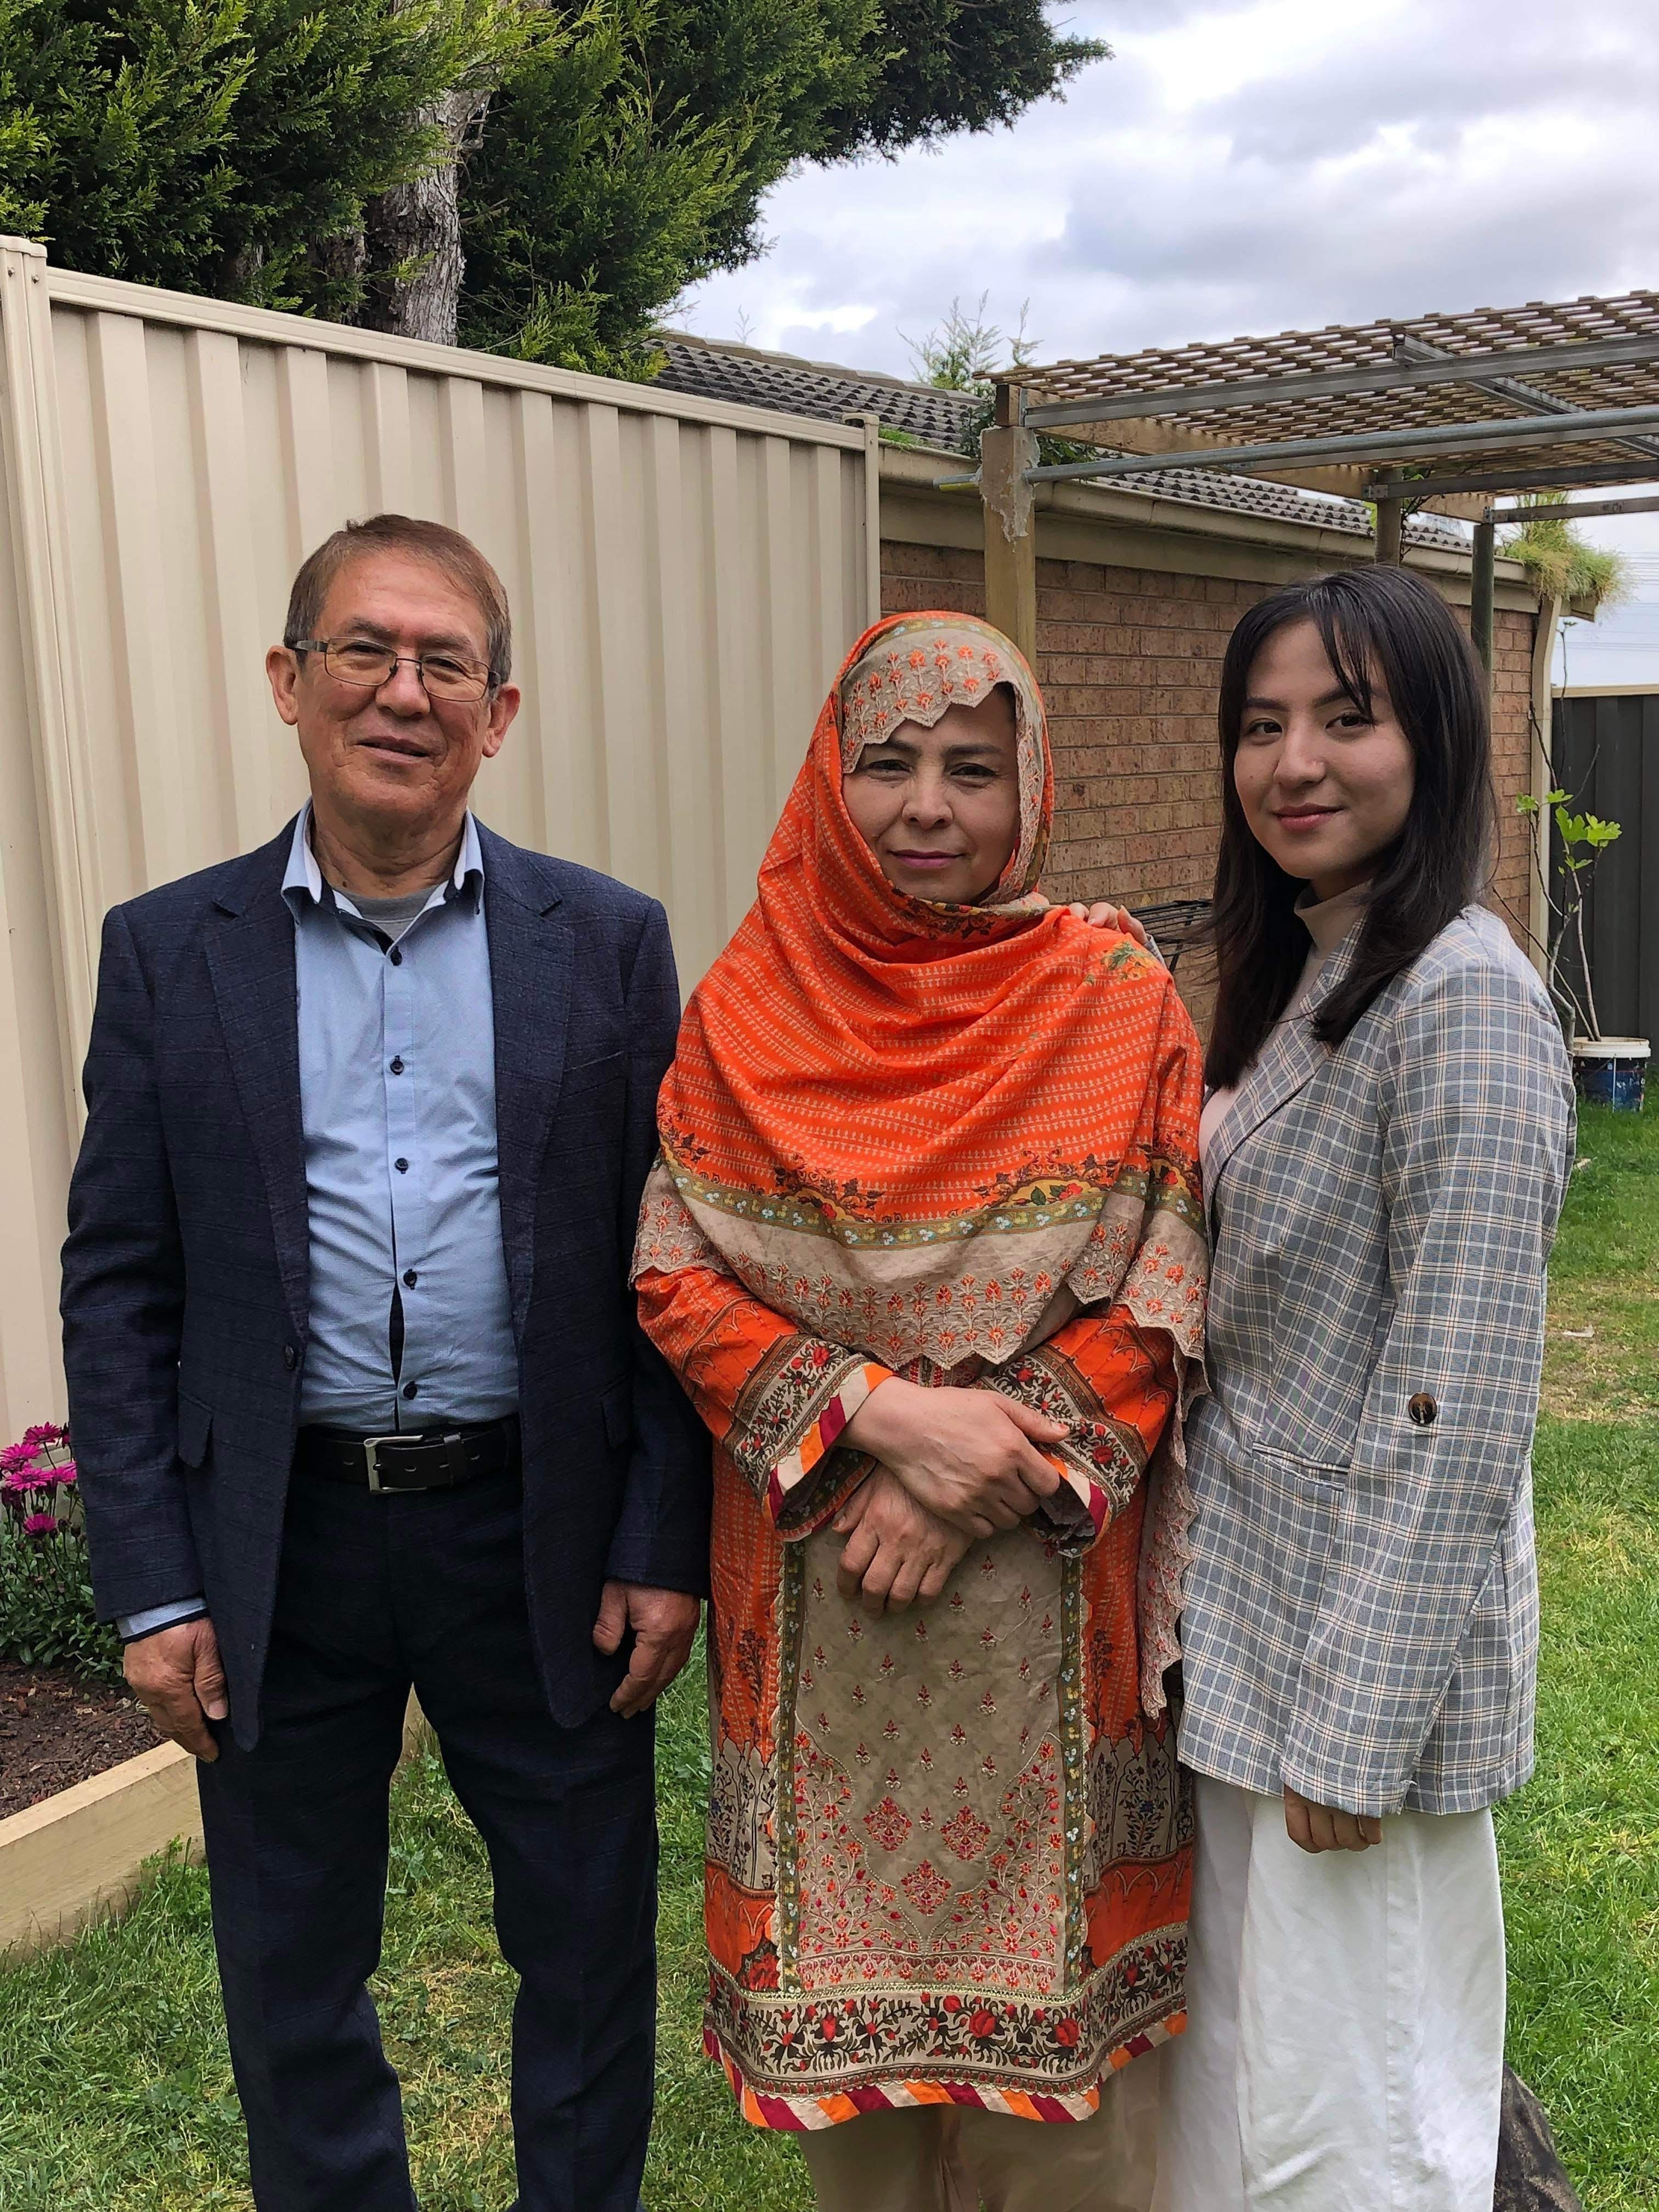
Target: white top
{"type": "Point", "coordinates": [1327, 921]}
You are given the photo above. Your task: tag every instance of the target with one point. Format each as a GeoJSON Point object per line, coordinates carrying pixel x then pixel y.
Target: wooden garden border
{"type": "Point", "coordinates": [80, 1853]}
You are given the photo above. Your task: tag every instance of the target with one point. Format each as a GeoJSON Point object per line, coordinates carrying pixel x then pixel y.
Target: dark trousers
{"type": "Point", "coordinates": [377, 1593]}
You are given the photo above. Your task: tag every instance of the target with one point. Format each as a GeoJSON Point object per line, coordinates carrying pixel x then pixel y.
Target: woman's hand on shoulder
{"type": "Point", "coordinates": [1103, 915]}
{"type": "Point", "coordinates": [1324, 1828]}
{"type": "Point", "coordinates": [969, 1457]}
{"type": "Point", "coordinates": [896, 1552]}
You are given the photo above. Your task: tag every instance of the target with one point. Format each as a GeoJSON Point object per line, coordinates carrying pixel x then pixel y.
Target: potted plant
{"type": "Point", "coordinates": [1611, 1071]}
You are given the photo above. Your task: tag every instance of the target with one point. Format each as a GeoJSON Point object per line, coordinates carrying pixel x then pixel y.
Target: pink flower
{"type": "Point", "coordinates": [68, 1472]}
{"type": "Point", "coordinates": [46, 1432]}
{"type": "Point", "coordinates": [40, 1524]}
{"type": "Point", "coordinates": [17, 1456]}
{"type": "Point", "coordinates": [18, 1481]}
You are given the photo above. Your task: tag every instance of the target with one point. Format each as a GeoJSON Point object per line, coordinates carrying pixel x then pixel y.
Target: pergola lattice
{"type": "Point", "coordinates": [1430, 410]}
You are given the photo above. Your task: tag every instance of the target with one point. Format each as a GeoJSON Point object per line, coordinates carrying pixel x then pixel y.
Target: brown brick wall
{"type": "Point", "coordinates": [1129, 661]}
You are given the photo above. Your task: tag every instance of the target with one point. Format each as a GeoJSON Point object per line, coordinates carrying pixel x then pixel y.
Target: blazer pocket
{"type": "Point", "coordinates": [1285, 1541]}
{"type": "Point", "coordinates": [617, 1410]}
{"type": "Point", "coordinates": [195, 1429]}
{"type": "Point", "coordinates": [597, 1070]}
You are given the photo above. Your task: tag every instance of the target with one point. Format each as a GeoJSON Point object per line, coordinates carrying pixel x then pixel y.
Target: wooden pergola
{"type": "Point", "coordinates": [1441, 412]}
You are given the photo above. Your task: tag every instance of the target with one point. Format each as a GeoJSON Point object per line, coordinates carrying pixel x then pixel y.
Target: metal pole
{"type": "Point", "coordinates": [1483, 583]}
{"type": "Point", "coordinates": [1578, 510]}
{"type": "Point", "coordinates": [1597, 425]}
{"type": "Point", "coordinates": [1390, 525]}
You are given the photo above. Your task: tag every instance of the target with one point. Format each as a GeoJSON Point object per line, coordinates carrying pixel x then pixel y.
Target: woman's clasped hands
{"type": "Point", "coordinates": [955, 1467]}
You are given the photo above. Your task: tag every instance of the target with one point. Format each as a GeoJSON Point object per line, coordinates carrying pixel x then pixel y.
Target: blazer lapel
{"type": "Point", "coordinates": [1287, 1063]}
{"type": "Point", "coordinates": [250, 955]}
{"type": "Point", "coordinates": [531, 957]}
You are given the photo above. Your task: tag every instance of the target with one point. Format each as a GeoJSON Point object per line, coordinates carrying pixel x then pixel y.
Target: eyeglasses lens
{"type": "Point", "coordinates": [355, 660]}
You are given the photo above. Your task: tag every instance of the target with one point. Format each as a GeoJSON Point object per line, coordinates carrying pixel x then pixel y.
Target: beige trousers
{"type": "Point", "coordinates": [955, 2158]}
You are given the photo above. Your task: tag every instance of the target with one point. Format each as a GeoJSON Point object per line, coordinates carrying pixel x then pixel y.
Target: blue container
{"type": "Point", "coordinates": [1611, 1071]}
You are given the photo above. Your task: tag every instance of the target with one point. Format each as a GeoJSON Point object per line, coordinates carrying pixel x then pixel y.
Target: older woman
{"type": "Point", "coordinates": [924, 1246]}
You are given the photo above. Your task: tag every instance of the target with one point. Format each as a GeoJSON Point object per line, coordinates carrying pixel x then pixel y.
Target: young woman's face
{"type": "Point", "coordinates": [1323, 789]}
{"type": "Point", "coordinates": [940, 808]}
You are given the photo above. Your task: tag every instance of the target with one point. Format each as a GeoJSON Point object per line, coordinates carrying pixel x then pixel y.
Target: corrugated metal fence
{"type": "Point", "coordinates": [1606, 753]}
{"type": "Point", "coordinates": [684, 577]}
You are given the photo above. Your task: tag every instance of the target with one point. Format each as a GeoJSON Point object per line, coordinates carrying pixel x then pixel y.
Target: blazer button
{"type": "Point", "coordinates": [291, 1357]}
{"type": "Point", "coordinates": [1423, 1409]}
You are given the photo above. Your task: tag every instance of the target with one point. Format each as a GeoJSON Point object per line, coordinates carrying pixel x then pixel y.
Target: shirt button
{"type": "Point", "coordinates": [397, 1067]}
{"type": "Point", "coordinates": [395, 958]}
{"type": "Point", "coordinates": [411, 1278]}
{"type": "Point", "coordinates": [1423, 1409]}
{"type": "Point", "coordinates": [291, 1357]}
{"type": "Point", "coordinates": [410, 1390]}
{"type": "Point", "coordinates": [402, 1166]}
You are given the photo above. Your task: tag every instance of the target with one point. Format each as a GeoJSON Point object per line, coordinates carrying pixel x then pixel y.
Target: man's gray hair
{"type": "Point", "coordinates": [445, 548]}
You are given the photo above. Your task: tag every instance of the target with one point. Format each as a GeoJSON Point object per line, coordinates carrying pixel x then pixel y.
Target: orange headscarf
{"type": "Point", "coordinates": [918, 1128]}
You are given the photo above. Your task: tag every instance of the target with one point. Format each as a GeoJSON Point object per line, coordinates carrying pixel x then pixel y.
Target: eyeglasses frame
{"type": "Point", "coordinates": [414, 660]}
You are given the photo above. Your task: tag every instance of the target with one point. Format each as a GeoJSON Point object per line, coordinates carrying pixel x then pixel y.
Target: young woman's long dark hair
{"type": "Point", "coordinates": [1382, 624]}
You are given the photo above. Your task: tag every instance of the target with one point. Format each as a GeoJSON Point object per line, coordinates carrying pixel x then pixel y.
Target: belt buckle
{"type": "Point", "coordinates": [372, 1455]}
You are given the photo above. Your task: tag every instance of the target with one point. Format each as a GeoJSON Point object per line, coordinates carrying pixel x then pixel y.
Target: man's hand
{"type": "Point", "coordinates": [665, 1625]}
{"type": "Point", "coordinates": [970, 1457]}
{"type": "Point", "coordinates": [1322, 1828]}
{"type": "Point", "coordinates": [177, 1677]}
{"type": "Point", "coordinates": [896, 1550]}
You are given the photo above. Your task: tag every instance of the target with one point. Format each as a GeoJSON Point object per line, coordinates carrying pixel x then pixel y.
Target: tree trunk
{"type": "Point", "coordinates": [414, 236]}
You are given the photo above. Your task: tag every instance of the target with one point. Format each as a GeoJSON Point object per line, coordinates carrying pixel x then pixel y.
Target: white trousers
{"type": "Point", "coordinates": [1344, 2043]}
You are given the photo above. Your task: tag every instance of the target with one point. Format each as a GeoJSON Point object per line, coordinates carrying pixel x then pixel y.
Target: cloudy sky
{"type": "Point", "coordinates": [1245, 166]}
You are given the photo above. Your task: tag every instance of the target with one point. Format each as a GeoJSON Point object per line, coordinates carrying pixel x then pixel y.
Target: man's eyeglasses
{"type": "Point", "coordinates": [358, 661]}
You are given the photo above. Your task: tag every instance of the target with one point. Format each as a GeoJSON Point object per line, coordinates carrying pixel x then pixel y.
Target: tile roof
{"type": "Point", "coordinates": [944, 420]}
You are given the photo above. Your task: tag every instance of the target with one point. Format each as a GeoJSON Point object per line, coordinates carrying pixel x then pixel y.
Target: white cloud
{"type": "Point", "coordinates": [1254, 166]}
{"type": "Point", "coordinates": [1257, 165]}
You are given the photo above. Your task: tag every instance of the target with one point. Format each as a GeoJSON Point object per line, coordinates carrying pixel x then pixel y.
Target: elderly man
{"type": "Point", "coordinates": [357, 1391]}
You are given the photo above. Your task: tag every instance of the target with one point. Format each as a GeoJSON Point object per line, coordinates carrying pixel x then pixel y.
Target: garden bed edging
{"type": "Point", "coordinates": [82, 1853]}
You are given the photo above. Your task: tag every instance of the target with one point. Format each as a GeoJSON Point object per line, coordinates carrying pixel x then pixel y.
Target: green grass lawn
{"type": "Point", "coordinates": [1581, 1842]}
{"type": "Point", "coordinates": [118, 2096]}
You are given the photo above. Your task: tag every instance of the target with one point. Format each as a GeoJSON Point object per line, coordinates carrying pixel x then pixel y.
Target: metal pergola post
{"type": "Point", "coordinates": [1483, 592]}
{"type": "Point", "coordinates": [1390, 522]}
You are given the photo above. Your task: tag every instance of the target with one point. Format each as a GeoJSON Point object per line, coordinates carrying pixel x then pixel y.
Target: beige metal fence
{"type": "Point", "coordinates": [684, 576]}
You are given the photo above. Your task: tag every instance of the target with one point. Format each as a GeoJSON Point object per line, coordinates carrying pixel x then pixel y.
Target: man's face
{"type": "Point", "coordinates": [393, 758]}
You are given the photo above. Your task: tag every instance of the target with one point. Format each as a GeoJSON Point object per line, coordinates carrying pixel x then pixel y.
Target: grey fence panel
{"type": "Point", "coordinates": [1606, 754]}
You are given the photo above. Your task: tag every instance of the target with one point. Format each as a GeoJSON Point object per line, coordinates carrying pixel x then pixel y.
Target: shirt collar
{"type": "Point", "coordinates": [304, 878]}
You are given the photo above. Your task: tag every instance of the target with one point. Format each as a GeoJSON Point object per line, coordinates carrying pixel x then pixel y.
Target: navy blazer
{"type": "Point", "coordinates": [187, 1271]}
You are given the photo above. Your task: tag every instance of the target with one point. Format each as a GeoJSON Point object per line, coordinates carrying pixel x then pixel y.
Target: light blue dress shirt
{"type": "Point", "coordinates": [398, 1104]}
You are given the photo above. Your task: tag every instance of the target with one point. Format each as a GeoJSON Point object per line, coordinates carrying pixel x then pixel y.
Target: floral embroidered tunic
{"type": "Point", "coordinates": [948, 1851]}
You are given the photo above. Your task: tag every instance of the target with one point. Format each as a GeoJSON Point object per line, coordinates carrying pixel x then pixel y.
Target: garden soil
{"type": "Point", "coordinates": [56, 1728]}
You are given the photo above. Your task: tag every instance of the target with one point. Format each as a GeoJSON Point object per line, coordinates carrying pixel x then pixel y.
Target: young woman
{"type": "Point", "coordinates": [923, 1246]}
{"type": "Point", "coordinates": [1386, 1141]}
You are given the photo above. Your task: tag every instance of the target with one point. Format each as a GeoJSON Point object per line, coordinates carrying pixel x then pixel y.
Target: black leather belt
{"type": "Point", "coordinates": [435, 1459]}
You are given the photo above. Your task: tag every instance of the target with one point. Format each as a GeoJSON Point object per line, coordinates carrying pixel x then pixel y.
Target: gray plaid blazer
{"type": "Point", "coordinates": [1361, 1614]}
